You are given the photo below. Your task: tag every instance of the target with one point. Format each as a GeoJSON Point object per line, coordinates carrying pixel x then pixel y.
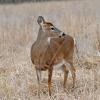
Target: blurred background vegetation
{"type": "Point", "coordinates": [21, 1]}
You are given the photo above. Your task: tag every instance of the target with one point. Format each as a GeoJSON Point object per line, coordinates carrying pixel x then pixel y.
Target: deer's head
{"type": "Point", "coordinates": [48, 29]}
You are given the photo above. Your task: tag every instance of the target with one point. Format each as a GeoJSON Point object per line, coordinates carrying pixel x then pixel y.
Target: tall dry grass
{"type": "Point", "coordinates": [18, 30]}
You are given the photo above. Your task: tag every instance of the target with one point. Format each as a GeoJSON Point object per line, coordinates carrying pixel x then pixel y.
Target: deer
{"type": "Point", "coordinates": [52, 47]}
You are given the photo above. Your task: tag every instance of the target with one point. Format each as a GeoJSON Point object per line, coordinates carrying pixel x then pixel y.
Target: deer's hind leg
{"type": "Point", "coordinates": [72, 69]}
{"type": "Point", "coordinates": [69, 65]}
{"type": "Point", "coordinates": [66, 71]}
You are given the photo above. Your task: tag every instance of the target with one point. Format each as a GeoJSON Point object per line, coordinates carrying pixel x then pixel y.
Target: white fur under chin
{"type": "Point", "coordinates": [48, 40]}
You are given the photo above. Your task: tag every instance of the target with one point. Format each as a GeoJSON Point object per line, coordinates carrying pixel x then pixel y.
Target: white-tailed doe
{"type": "Point", "coordinates": [52, 47]}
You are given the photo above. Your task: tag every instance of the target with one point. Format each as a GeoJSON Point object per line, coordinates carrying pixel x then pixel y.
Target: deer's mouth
{"type": "Point", "coordinates": [62, 34]}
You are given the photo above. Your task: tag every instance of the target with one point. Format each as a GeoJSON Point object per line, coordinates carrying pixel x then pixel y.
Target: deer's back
{"type": "Point", "coordinates": [64, 46]}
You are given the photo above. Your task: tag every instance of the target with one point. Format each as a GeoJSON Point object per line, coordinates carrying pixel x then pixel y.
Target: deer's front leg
{"type": "Point", "coordinates": [49, 79]}
{"type": "Point", "coordinates": [38, 72]}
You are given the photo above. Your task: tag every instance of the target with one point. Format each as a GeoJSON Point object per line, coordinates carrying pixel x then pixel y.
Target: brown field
{"type": "Point", "coordinates": [18, 30]}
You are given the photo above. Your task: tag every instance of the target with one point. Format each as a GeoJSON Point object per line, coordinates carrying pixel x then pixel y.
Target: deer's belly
{"type": "Point", "coordinates": [60, 65]}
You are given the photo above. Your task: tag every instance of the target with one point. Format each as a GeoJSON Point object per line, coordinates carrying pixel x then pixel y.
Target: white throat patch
{"type": "Point", "coordinates": [48, 40]}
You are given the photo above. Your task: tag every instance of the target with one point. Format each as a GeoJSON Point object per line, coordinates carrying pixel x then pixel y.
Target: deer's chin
{"type": "Point", "coordinates": [60, 36]}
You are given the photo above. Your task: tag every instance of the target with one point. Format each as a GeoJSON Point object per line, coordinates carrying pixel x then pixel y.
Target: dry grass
{"type": "Point", "coordinates": [18, 30]}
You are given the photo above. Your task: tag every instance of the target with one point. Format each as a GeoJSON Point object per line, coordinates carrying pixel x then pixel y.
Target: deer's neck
{"type": "Point", "coordinates": [42, 36]}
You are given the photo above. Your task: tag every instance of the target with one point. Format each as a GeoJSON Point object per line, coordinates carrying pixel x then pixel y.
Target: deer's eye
{"type": "Point", "coordinates": [52, 28]}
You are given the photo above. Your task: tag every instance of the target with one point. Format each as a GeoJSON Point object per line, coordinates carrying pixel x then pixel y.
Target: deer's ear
{"type": "Point", "coordinates": [40, 20]}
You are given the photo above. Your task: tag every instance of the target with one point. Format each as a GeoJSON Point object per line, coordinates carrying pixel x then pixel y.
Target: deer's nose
{"type": "Point", "coordinates": [63, 34]}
